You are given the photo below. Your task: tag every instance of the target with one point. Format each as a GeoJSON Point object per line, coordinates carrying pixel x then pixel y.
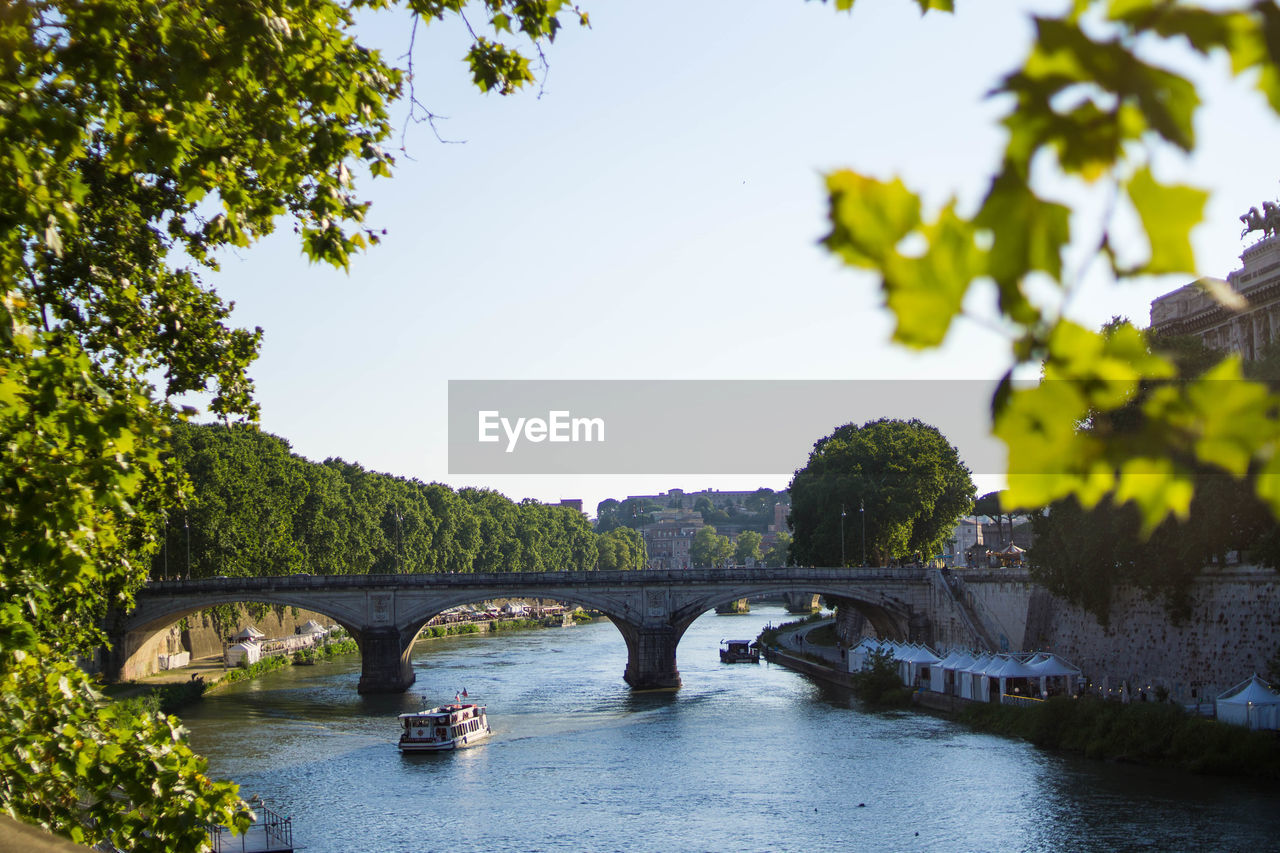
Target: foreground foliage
{"type": "Point", "coordinates": [1142, 732]}
{"type": "Point", "coordinates": [91, 770]}
{"type": "Point", "coordinates": [1083, 554]}
{"type": "Point", "coordinates": [1094, 106]}
{"type": "Point", "coordinates": [138, 138]}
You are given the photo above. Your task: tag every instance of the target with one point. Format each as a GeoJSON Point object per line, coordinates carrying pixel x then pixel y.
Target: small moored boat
{"type": "Point", "coordinates": [447, 727]}
{"type": "Point", "coordinates": [739, 651]}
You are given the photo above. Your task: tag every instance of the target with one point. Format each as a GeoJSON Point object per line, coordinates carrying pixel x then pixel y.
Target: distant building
{"type": "Point", "coordinates": [960, 548]}
{"type": "Point", "coordinates": [1190, 310]}
{"type": "Point", "coordinates": [572, 503]}
{"type": "Point", "coordinates": [670, 537]}
{"type": "Point", "coordinates": [670, 534]}
{"type": "Point", "coordinates": [780, 523]}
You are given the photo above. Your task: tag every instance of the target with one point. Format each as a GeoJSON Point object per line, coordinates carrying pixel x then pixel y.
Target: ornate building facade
{"type": "Point", "coordinates": [1190, 310]}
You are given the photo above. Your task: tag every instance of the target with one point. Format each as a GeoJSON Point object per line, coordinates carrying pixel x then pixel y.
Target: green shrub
{"type": "Point", "coordinates": [243, 672]}
{"type": "Point", "coordinates": [878, 682]}
{"type": "Point", "coordinates": [515, 624]}
{"type": "Point", "coordinates": [333, 649]}
{"type": "Point", "coordinates": [1154, 733]}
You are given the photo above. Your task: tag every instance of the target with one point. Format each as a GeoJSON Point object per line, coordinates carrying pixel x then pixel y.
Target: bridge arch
{"type": "Point", "coordinates": [131, 637]}
{"type": "Point", "coordinates": [622, 614]}
{"type": "Point", "coordinates": [889, 618]}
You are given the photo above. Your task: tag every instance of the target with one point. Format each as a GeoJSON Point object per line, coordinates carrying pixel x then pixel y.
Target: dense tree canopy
{"type": "Point", "coordinates": [709, 549]}
{"type": "Point", "coordinates": [632, 512]}
{"type": "Point", "coordinates": [621, 549]}
{"type": "Point", "coordinates": [1084, 554]}
{"type": "Point", "coordinates": [255, 508]}
{"type": "Point", "coordinates": [780, 553]}
{"type": "Point", "coordinates": [746, 548]}
{"type": "Point", "coordinates": [905, 474]}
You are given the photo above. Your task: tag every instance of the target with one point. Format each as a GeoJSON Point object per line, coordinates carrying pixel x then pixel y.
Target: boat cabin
{"type": "Point", "coordinates": [739, 651]}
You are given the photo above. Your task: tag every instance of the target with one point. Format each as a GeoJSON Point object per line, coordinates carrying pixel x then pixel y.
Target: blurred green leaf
{"type": "Point", "coordinates": [1168, 214]}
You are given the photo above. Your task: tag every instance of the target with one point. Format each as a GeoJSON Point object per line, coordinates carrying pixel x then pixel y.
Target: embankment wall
{"type": "Point", "coordinates": [1233, 630]}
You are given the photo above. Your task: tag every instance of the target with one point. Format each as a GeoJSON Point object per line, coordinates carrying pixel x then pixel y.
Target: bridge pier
{"type": "Point", "coordinates": [801, 602]}
{"type": "Point", "coordinates": [651, 657]}
{"type": "Point", "coordinates": [385, 666]}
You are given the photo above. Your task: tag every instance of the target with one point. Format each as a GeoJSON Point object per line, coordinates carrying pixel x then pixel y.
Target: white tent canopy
{"type": "Point", "coordinates": [1250, 703]}
{"type": "Point", "coordinates": [938, 680]}
{"type": "Point", "coordinates": [915, 660]}
{"type": "Point", "coordinates": [1012, 668]}
{"type": "Point", "coordinates": [970, 676]}
{"type": "Point", "coordinates": [237, 652]}
{"type": "Point", "coordinates": [1049, 666]}
{"type": "Point", "coordinates": [248, 632]}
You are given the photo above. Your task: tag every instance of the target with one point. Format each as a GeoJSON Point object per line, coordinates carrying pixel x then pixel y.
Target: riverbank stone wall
{"type": "Point", "coordinates": [1232, 633]}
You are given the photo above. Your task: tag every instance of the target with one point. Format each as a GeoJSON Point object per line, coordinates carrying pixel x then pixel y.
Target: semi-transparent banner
{"type": "Point", "coordinates": [694, 426]}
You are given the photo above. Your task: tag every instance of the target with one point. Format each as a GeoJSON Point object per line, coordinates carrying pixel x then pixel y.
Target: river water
{"type": "Point", "coordinates": [742, 758]}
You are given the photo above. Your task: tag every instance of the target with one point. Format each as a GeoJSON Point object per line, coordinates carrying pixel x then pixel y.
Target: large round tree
{"type": "Point", "coordinates": [901, 480]}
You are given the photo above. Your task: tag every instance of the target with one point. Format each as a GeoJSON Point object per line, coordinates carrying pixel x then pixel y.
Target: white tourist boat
{"type": "Point", "coordinates": [448, 727]}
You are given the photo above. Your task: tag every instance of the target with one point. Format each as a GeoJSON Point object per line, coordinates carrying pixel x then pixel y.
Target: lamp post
{"type": "Point", "coordinates": [399, 540]}
{"type": "Point", "coordinates": [186, 524]}
{"type": "Point", "coordinates": [862, 511]}
{"type": "Point", "coordinates": [842, 514]}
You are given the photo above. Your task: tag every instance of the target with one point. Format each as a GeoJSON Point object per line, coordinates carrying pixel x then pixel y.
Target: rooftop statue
{"type": "Point", "coordinates": [1268, 222]}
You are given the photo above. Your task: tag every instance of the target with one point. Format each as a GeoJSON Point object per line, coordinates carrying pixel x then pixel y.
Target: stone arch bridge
{"type": "Point", "coordinates": [384, 613]}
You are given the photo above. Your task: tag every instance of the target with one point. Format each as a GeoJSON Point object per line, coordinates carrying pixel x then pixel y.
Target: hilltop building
{"type": "Point", "coordinates": [680, 499]}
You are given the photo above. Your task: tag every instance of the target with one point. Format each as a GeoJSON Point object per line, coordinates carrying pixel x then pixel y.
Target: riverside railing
{"type": "Point", "coordinates": [269, 832]}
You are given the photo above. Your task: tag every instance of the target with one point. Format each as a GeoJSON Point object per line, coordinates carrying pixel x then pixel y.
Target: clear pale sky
{"type": "Point", "coordinates": [654, 214]}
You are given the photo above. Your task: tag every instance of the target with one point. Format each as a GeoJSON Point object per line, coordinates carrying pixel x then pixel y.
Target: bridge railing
{"type": "Point", "coordinates": [794, 574]}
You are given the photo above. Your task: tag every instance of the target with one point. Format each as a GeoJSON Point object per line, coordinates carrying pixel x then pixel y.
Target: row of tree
{"type": "Point", "coordinates": [255, 508]}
